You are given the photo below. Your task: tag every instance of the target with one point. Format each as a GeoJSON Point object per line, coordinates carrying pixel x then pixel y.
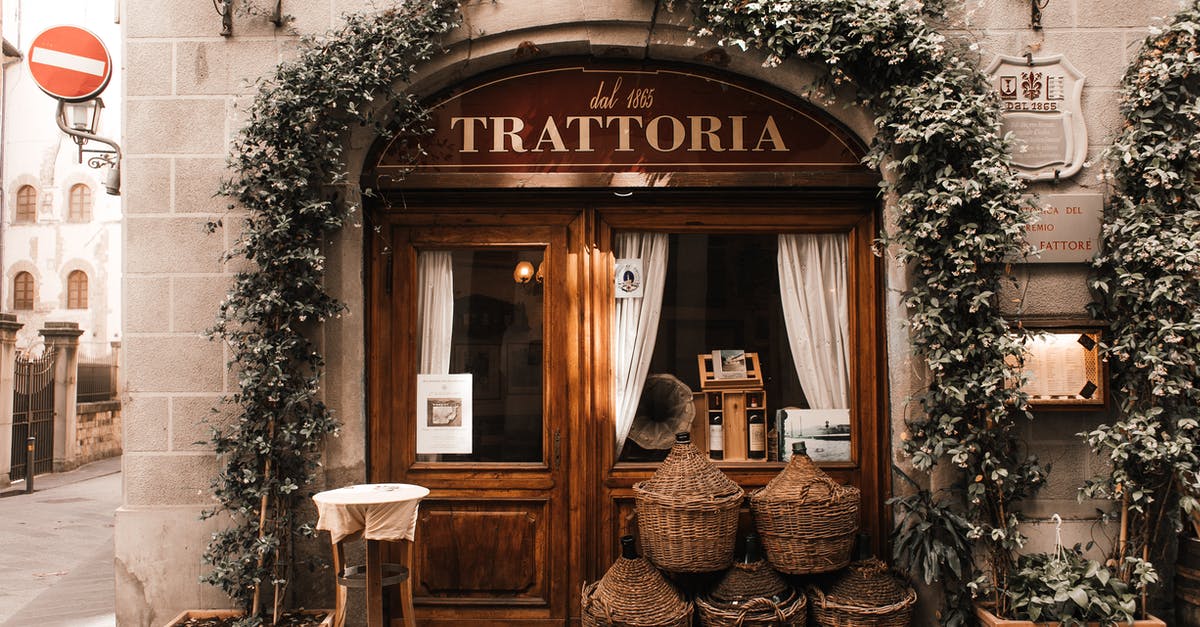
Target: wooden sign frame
{"type": "Point", "coordinates": [709, 380]}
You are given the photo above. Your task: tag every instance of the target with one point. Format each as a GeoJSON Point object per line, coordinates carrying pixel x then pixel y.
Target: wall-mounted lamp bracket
{"type": "Point", "coordinates": [81, 134]}
{"type": "Point", "coordinates": [1035, 9]}
{"type": "Point", "coordinates": [225, 10]}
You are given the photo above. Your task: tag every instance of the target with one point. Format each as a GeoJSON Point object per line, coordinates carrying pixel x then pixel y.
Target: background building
{"type": "Point", "coordinates": [62, 233]}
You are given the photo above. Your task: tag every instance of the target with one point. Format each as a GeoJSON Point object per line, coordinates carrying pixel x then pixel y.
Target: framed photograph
{"type": "Point", "coordinates": [524, 368]}
{"type": "Point", "coordinates": [482, 362]}
{"type": "Point", "coordinates": [729, 364]}
{"type": "Point", "coordinates": [825, 433]}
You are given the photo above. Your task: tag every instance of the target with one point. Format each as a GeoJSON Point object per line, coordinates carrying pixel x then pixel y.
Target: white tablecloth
{"type": "Point", "coordinates": [378, 511]}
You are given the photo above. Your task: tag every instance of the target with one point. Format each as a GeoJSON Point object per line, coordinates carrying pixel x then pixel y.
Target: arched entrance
{"type": "Point", "coordinates": [514, 370]}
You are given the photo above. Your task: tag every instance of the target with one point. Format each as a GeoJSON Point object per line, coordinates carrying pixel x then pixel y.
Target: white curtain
{"type": "Point", "coordinates": [813, 287]}
{"type": "Point", "coordinates": [635, 324]}
{"type": "Point", "coordinates": [435, 310]}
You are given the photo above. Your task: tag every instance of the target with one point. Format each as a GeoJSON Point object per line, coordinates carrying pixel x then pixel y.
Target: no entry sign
{"type": "Point", "coordinates": [70, 63]}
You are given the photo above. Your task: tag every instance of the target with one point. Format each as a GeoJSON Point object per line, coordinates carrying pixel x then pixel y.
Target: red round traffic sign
{"type": "Point", "coordinates": [70, 63]}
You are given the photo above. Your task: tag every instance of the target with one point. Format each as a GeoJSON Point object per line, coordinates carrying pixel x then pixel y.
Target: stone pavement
{"type": "Point", "coordinates": [56, 548]}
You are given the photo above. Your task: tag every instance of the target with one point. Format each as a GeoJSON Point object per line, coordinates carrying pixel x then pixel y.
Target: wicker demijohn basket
{"type": "Point", "coordinates": [634, 594]}
{"type": "Point", "coordinates": [687, 513]}
{"type": "Point", "coordinates": [806, 519]}
{"type": "Point", "coordinates": [866, 595]}
{"type": "Point", "coordinates": [751, 593]}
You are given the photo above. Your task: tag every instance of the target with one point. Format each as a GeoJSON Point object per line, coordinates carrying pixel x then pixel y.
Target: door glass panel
{"type": "Point", "coordinates": [781, 297]}
{"type": "Point", "coordinates": [496, 336]}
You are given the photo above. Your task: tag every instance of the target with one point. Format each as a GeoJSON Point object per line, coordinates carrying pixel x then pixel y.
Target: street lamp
{"type": "Point", "coordinates": [80, 120]}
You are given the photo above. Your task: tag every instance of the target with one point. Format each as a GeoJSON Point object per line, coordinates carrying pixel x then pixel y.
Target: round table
{"type": "Point", "coordinates": [374, 512]}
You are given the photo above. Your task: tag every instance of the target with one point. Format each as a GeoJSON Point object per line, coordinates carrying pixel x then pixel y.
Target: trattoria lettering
{"type": "Point", "coordinates": [629, 133]}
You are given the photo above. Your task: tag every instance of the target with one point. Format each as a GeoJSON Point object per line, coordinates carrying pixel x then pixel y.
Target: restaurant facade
{"type": "Point", "coordinates": [620, 230]}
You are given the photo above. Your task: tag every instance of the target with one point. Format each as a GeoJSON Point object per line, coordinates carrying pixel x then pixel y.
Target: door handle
{"type": "Point", "coordinates": [557, 448]}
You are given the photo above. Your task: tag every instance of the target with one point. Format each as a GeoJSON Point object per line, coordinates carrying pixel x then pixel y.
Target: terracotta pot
{"type": "Point", "coordinates": [325, 615]}
{"type": "Point", "coordinates": [989, 619]}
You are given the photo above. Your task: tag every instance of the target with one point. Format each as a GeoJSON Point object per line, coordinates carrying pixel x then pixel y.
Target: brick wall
{"type": "Point", "coordinates": [98, 430]}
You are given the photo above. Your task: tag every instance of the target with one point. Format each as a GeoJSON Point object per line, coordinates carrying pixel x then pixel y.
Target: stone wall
{"type": "Point", "coordinates": [98, 431]}
{"type": "Point", "coordinates": [185, 92]}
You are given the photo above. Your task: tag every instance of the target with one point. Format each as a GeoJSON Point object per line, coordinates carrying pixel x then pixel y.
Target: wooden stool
{"type": "Point", "coordinates": [375, 575]}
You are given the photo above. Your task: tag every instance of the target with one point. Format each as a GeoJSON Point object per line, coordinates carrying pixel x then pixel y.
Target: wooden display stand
{"type": "Point", "coordinates": [736, 400]}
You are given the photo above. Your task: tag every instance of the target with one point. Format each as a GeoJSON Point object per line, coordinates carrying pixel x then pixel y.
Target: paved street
{"type": "Point", "coordinates": [57, 548]}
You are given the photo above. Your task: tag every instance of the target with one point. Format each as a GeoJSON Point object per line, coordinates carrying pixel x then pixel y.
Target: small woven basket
{"type": "Point", "coordinates": [757, 612]}
{"type": "Point", "coordinates": [806, 519]}
{"type": "Point", "coordinates": [867, 594]}
{"type": "Point", "coordinates": [634, 594]}
{"type": "Point", "coordinates": [687, 513]}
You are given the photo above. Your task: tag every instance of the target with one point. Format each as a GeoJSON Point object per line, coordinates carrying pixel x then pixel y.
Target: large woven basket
{"type": "Point", "coordinates": [757, 612]}
{"type": "Point", "coordinates": [743, 582]}
{"type": "Point", "coordinates": [867, 594]}
{"type": "Point", "coordinates": [806, 519]}
{"type": "Point", "coordinates": [634, 594]}
{"type": "Point", "coordinates": [687, 513]}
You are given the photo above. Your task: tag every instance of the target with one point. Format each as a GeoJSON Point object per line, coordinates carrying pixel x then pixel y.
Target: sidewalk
{"type": "Point", "coordinates": [57, 545]}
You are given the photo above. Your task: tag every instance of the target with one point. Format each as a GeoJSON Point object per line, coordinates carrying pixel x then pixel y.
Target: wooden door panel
{"type": "Point", "coordinates": [483, 551]}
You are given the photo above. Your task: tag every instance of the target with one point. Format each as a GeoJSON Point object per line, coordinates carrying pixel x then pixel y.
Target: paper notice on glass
{"type": "Point", "coordinates": [443, 413]}
{"type": "Point", "coordinates": [627, 278]}
{"type": "Point", "coordinates": [1056, 366]}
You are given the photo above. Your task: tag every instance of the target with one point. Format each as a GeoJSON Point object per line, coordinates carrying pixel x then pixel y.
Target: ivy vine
{"type": "Point", "coordinates": [1148, 288]}
{"type": "Point", "coordinates": [959, 216]}
{"type": "Point", "coordinates": [284, 161]}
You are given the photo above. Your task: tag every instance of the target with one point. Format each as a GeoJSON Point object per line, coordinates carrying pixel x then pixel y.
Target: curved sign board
{"type": "Point", "coordinates": [1043, 110]}
{"type": "Point", "coordinates": [580, 119]}
{"type": "Point", "coordinates": [70, 63]}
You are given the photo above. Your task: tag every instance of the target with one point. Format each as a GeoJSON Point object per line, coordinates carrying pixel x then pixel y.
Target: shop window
{"type": "Point", "coordinates": [26, 205]}
{"type": "Point", "coordinates": [79, 205]}
{"type": "Point", "coordinates": [23, 291]}
{"type": "Point", "coordinates": [77, 290]}
{"type": "Point", "coordinates": [480, 315]}
{"type": "Point", "coordinates": [782, 298]}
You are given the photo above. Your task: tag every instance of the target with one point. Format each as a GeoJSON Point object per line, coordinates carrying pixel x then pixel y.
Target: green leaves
{"type": "Point", "coordinates": [1067, 587]}
{"type": "Point", "coordinates": [283, 159]}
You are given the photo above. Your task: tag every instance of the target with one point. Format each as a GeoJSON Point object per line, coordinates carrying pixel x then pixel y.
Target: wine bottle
{"type": "Point", "coordinates": [628, 548]}
{"type": "Point", "coordinates": [716, 434]}
{"type": "Point", "coordinates": [753, 549]}
{"type": "Point", "coordinates": [756, 433]}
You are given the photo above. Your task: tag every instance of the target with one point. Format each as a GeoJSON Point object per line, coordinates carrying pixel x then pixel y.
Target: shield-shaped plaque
{"type": "Point", "coordinates": [1042, 99]}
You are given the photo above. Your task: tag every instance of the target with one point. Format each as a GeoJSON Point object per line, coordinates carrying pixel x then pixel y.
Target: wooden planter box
{"type": "Point", "coordinates": [326, 616]}
{"type": "Point", "coordinates": [989, 619]}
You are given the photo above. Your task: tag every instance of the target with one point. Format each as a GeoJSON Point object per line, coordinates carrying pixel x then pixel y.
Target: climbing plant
{"type": "Point", "coordinates": [1148, 289]}
{"type": "Point", "coordinates": [958, 217]}
{"type": "Point", "coordinates": [284, 161]}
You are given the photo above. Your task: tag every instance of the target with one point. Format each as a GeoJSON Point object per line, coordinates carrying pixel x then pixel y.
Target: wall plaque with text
{"type": "Point", "coordinates": [1042, 101]}
{"type": "Point", "coordinates": [1067, 228]}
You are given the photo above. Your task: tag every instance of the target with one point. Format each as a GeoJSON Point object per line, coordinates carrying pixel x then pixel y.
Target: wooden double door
{"type": "Point", "coordinates": [528, 500]}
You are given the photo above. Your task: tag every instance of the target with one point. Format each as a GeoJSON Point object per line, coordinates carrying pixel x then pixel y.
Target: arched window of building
{"type": "Point", "coordinates": [79, 206]}
{"type": "Point", "coordinates": [26, 204]}
{"type": "Point", "coordinates": [77, 290]}
{"type": "Point", "coordinates": [23, 291]}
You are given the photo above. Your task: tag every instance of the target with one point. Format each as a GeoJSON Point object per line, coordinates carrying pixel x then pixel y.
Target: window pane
{"type": "Point", "coordinates": [496, 336]}
{"type": "Point", "coordinates": [26, 204]}
{"type": "Point", "coordinates": [80, 204]}
{"type": "Point", "coordinates": [722, 292]}
{"type": "Point", "coordinates": [23, 291]}
{"type": "Point", "coordinates": [77, 289]}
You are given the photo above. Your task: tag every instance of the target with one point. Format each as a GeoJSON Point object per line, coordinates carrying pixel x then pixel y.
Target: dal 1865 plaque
{"type": "Point", "coordinates": [1042, 98]}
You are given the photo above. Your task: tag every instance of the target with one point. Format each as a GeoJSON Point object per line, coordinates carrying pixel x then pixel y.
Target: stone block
{"type": "Point", "coordinates": [147, 304]}
{"type": "Point", "coordinates": [171, 245]}
{"type": "Point", "coordinates": [1007, 15]}
{"type": "Point", "coordinates": [1099, 55]}
{"type": "Point", "coordinates": [192, 419]}
{"type": "Point", "coordinates": [195, 301]}
{"type": "Point", "coordinates": [146, 185]}
{"type": "Point", "coordinates": [147, 68]}
{"type": "Point", "coordinates": [1068, 469]}
{"type": "Point", "coordinates": [170, 18]}
{"type": "Point", "coordinates": [1048, 289]}
{"type": "Point", "coordinates": [196, 185]}
{"type": "Point", "coordinates": [158, 563]}
{"type": "Point", "coordinates": [1124, 14]}
{"type": "Point", "coordinates": [157, 479]}
{"type": "Point", "coordinates": [173, 364]}
{"type": "Point", "coordinates": [146, 420]}
{"type": "Point", "coordinates": [223, 67]}
{"type": "Point", "coordinates": [192, 126]}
